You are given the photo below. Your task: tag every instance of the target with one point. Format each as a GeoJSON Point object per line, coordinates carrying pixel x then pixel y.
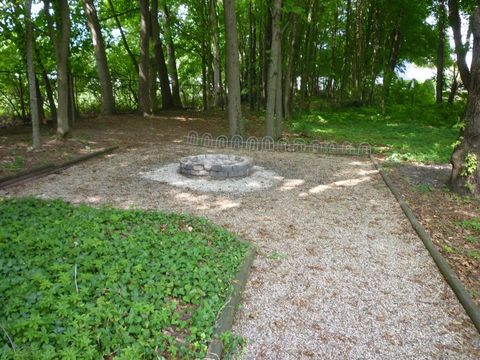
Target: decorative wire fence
{"type": "Point", "coordinates": [267, 143]}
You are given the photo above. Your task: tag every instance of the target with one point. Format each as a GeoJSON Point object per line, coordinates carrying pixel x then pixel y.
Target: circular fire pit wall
{"type": "Point", "coordinates": [216, 166]}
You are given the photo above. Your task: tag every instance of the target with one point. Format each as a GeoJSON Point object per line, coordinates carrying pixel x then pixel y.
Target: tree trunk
{"type": "Point", "coordinates": [278, 95]}
{"type": "Point", "coordinates": [72, 103]}
{"type": "Point", "coordinates": [287, 84]}
{"type": "Point", "coordinates": [260, 61]}
{"type": "Point", "coordinates": [454, 87]}
{"type": "Point", "coordinates": [251, 56]}
{"type": "Point", "coordinates": [234, 109]}
{"type": "Point", "coordinates": [273, 70]}
{"type": "Point", "coordinates": [41, 112]}
{"type": "Point", "coordinates": [440, 51]}
{"type": "Point", "coordinates": [51, 100]}
{"type": "Point", "coordinates": [21, 92]}
{"type": "Point", "coordinates": [460, 51]}
{"type": "Point", "coordinates": [346, 53]}
{"type": "Point", "coordinates": [375, 50]}
{"type": "Point", "coordinates": [167, 98]}
{"type": "Point", "coordinates": [32, 81]}
{"type": "Point", "coordinates": [62, 51]}
{"type": "Point", "coordinates": [108, 101]}
{"type": "Point", "coordinates": [60, 38]}
{"type": "Point", "coordinates": [217, 71]}
{"type": "Point", "coordinates": [124, 38]}
{"type": "Point", "coordinates": [143, 73]}
{"type": "Point", "coordinates": [332, 80]}
{"type": "Point", "coordinates": [465, 176]}
{"type": "Point", "coordinates": [172, 59]}
{"type": "Point", "coordinates": [204, 76]}
{"type": "Point", "coordinates": [48, 88]}
{"type": "Point", "coordinates": [357, 68]}
{"type": "Point", "coordinates": [267, 44]}
{"type": "Point", "coordinates": [153, 84]}
{"type": "Point", "coordinates": [389, 70]}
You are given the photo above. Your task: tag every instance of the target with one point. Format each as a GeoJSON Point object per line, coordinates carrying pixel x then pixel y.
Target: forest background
{"type": "Point", "coordinates": [296, 65]}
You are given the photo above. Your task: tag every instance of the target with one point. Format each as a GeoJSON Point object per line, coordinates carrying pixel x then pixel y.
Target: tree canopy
{"type": "Point", "coordinates": [114, 56]}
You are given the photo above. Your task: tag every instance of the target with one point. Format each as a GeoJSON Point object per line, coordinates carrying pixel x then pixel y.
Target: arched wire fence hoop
{"type": "Point", "coordinates": [267, 143]}
{"type": "Point", "coordinates": [207, 140]}
{"type": "Point", "coordinates": [252, 143]}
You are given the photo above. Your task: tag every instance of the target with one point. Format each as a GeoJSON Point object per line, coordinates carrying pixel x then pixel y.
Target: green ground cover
{"type": "Point", "coordinates": [411, 133]}
{"type": "Point", "coordinates": [83, 283]}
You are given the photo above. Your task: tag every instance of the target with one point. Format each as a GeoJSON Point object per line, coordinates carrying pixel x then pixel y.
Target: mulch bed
{"type": "Point", "coordinates": [446, 216]}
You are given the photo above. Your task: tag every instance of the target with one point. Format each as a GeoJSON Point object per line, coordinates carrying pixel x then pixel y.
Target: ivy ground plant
{"type": "Point", "coordinates": [83, 283]}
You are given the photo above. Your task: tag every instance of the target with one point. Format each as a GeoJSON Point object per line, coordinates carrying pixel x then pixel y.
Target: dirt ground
{"type": "Point", "coordinates": [96, 133]}
{"type": "Point", "coordinates": [446, 216]}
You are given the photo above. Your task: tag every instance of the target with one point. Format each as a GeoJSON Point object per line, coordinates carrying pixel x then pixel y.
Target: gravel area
{"type": "Point", "coordinates": [340, 273]}
{"type": "Point", "coordinates": [260, 179]}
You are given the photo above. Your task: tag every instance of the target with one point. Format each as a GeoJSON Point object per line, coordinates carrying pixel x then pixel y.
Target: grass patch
{"type": "Point", "coordinates": [18, 163]}
{"type": "Point", "coordinates": [422, 133]}
{"type": "Point", "coordinates": [448, 249]}
{"type": "Point", "coordinates": [472, 239]}
{"type": "Point", "coordinates": [84, 283]}
{"type": "Point", "coordinates": [474, 254]}
{"type": "Point", "coordinates": [471, 224]}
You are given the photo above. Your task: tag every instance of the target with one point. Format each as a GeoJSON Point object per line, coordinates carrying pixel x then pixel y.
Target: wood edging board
{"type": "Point", "coordinates": [225, 320]}
{"type": "Point", "coordinates": [44, 170]}
{"type": "Point", "coordinates": [451, 278]}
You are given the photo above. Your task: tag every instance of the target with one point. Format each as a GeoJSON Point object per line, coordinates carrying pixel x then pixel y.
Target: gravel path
{"type": "Point", "coordinates": [340, 273]}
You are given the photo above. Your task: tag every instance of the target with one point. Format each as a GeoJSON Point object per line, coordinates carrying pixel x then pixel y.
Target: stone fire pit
{"type": "Point", "coordinates": [216, 166]}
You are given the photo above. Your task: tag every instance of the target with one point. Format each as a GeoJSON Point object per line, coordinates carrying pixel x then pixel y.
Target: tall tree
{"type": "Point", "coordinates": [216, 64]}
{"type": "Point", "coordinates": [234, 109]}
{"type": "Point", "coordinates": [32, 81]}
{"type": "Point", "coordinates": [167, 98]}
{"type": "Point", "coordinates": [48, 88]}
{"type": "Point", "coordinates": [143, 73]}
{"type": "Point", "coordinates": [288, 78]}
{"type": "Point", "coordinates": [108, 101]}
{"type": "Point", "coordinates": [391, 63]}
{"type": "Point", "coordinates": [61, 40]}
{"type": "Point", "coordinates": [172, 58]}
{"type": "Point", "coordinates": [132, 57]}
{"type": "Point", "coordinates": [454, 86]}
{"type": "Point", "coordinates": [346, 63]}
{"type": "Point", "coordinates": [441, 14]}
{"type": "Point", "coordinates": [251, 56]}
{"type": "Point", "coordinates": [460, 50]}
{"type": "Point", "coordinates": [465, 176]}
{"type": "Point", "coordinates": [274, 112]}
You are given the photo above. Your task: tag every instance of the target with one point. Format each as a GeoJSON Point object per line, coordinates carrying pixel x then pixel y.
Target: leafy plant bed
{"type": "Point", "coordinates": [83, 283]}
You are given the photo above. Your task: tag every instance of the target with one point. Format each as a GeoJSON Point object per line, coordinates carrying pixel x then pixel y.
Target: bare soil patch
{"type": "Point", "coordinates": [95, 133]}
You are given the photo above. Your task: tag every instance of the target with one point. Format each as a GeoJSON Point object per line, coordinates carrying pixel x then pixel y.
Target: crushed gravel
{"type": "Point", "coordinates": [340, 273]}
{"type": "Point", "coordinates": [260, 179]}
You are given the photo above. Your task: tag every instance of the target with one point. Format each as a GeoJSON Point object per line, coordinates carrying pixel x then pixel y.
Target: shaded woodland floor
{"type": "Point", "coordinates": [453, 221]}
{"type": "Point", "coordinates": [95, 133]}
